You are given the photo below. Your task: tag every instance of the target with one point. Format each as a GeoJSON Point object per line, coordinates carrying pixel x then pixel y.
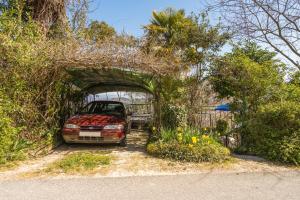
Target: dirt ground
{"type": "Point", "coordinates": [134, 161]}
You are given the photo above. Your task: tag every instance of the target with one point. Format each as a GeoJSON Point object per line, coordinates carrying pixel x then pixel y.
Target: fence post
{"type": "Point", "coordinates": [210, 121]}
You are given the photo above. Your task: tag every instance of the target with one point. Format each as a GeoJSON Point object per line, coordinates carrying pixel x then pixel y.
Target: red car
{"type": "Point", "coordinates": [98, 122]}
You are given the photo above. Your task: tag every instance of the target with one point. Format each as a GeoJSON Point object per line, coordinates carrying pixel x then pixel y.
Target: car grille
{"type": "Point", "coordinates": [88, 138]}
{"type": "Point", "coordinates": [91, 128]}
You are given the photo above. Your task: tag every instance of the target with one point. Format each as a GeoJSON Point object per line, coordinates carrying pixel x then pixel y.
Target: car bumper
{"type": "Point", "coordinates": [106, 137]}
{"type": "Point", "coordinates": [100, 140]}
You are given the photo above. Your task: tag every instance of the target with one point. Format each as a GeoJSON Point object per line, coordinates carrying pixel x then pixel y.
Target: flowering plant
{"type": "Point", "coordinates": [194, 140]}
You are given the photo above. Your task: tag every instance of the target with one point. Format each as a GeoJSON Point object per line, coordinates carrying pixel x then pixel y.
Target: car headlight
{"type": "Point", "coordinates": [72, 126]}
{"type": "Point", "coordinates": [114, 127]}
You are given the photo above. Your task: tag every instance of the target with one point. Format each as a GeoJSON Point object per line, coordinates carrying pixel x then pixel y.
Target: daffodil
{"type": "Point", "coordinates": [194, 140]}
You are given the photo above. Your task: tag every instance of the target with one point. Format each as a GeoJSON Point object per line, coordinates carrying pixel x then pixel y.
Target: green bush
{"type": "Point", "coordinates": [203, 152]}
{"type": "Point", "coordinates": [187, 145]}
{"type": "Point", "coordinates": [173, 116]}
{"type": "Point", "coordinates": [32, 92]}
{"type": "Point", "coordinates": [11, 144]}
{"type": "Point", "coordinates": [222, 126]}
{"type": "Point", "coordinates": [274, 132]}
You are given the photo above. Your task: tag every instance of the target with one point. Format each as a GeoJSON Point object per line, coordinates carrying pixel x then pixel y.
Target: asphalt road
{"type": "Point", "coordinates": [207, 186]}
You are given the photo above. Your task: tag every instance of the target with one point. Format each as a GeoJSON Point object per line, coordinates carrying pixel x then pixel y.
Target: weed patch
{"type": "Point", "coordinates": [79, 162]}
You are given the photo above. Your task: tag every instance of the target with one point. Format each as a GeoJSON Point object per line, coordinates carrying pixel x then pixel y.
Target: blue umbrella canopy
{"type": "Point", "coordinates": [222, 107]}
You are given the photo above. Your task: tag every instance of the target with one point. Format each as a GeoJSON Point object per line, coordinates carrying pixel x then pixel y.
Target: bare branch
{"type": "Point", "coordinates": [275, 22]}
{"type": "Point", "coordinates": [113, 54]}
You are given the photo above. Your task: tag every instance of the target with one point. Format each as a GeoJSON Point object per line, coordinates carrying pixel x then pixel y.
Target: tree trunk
{"type": "Point", "coordinates": [48, 12]}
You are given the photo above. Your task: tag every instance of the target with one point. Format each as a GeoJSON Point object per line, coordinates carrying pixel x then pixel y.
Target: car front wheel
{"type": "Point", "coordinates": [123, 142]}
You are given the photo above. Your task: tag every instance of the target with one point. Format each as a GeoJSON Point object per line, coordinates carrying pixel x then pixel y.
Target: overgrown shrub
{"type": "Point", "coordinates": [274, 132]}
{"type": "Point", "coordinates": [265, 104]}
{"type": "Point", "coordinates": [32, 92]}
{"type": "Point", "coordinates": [187, 145]}
{"type": "Point", "coordinates": [206, 152]}
{"type": "Point", "coordinates": [11, 146]}
{"type": "Point", "coordinates": [173, 116]}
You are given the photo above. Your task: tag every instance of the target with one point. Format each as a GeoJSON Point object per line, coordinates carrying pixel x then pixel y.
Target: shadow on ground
{"type": "Point", "coordinates": [260, 160]}
{"type": "Point", "coordinates": [136, 142]}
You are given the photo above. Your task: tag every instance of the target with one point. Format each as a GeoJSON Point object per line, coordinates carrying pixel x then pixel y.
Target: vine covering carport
{"type": "Point", "coordinates": [113, 66]}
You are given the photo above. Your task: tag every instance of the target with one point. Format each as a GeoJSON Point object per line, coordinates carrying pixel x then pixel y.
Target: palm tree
{"type": "Point", "coordinates": [168, 29]}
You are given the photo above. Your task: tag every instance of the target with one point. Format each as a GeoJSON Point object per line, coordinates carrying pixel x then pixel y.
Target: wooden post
{"type": "Point", "coordinates": [210, 121]}
{"type": "Point", "coordinates": [157, 107]}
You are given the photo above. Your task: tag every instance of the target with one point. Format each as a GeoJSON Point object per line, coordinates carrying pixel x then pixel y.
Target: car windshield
{"type": "Point", "coordinates": [104, 108]}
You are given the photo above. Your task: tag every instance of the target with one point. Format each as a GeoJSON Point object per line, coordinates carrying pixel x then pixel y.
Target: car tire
{"type": "Point", "coordinates": [123, 142]}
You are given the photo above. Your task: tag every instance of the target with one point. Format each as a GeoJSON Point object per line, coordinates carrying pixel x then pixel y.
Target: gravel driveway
{"type": "Point", "coordinates": [134, 161]}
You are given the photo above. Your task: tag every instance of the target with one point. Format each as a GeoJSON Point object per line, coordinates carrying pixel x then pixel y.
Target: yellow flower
{"type": "Point", "coordinates": [179, 129]}
{"type": "Point", "coordinates": [191, 146]}
{"type": "Point", "coordinates": [205, 129]}
{"type": "Point", "coordinates": [153, 128]}
{"type": "Point", "coordinates": [179, 137]}
{"type": "Point", "coordinates": [204, 136]}
{"type": "Point", "coordinates": [194, 140]}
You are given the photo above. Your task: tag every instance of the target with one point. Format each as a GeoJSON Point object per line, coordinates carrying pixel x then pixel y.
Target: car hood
{"type": "Point", "coordinates": [95, 120]}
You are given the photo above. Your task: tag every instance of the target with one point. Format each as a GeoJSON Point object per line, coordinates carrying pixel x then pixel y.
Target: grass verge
{"type": "Point", "coordinates": [79, 162]}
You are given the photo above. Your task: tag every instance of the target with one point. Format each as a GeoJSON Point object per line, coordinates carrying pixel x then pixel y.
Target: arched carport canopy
{"type": "Point", "coordinates": [100, 80]}
{"type": "Point", "coordinates": [113, 66]}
